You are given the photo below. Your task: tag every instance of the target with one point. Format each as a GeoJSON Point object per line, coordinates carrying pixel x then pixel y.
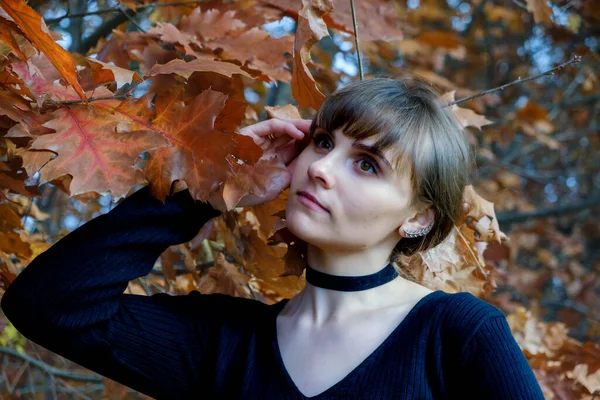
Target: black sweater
{"type": "Point", "coordinates": [70, 300]}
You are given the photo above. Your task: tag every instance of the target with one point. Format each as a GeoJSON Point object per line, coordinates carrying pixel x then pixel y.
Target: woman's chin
{"type": "Point", "coordinates": [301, 226]}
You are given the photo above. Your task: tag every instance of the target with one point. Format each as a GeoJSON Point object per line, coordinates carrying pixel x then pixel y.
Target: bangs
{"type": "Point", "coordinates": [382, 113]}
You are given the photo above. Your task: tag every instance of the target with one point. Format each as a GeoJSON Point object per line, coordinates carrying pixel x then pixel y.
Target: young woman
{"type": "Point", "coordinates": [383, 175]}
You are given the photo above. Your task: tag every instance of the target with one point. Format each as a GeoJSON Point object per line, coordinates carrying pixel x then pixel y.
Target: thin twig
{"type": "Point", "coordinates": [574, 60]}
{"type": "Point", "coordinates": [118, 9]}
{"type": "Point", "coordinates": [360, 68]}
{"type": "Point", "coordinates": [131, 19]}
{"type": "Point", "coordinates": [50, 369]}
{"type": "Point", "coordinates": [469, 247]}
{"type": "Point", "coordinates": [520, 4]}
{"type": "Point", "coordinates": [68, 102]}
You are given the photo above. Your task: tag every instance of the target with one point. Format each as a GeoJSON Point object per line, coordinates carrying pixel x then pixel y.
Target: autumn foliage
{"type": "Point", "coordinates": [162, 105]}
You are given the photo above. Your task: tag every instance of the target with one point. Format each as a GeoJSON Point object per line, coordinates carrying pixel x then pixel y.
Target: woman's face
{"type": "Point", "coordinates": [365, 201]}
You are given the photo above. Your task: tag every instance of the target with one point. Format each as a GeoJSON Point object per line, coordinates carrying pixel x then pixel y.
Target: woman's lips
{"type": "Point", "coordinates": [310, 201]}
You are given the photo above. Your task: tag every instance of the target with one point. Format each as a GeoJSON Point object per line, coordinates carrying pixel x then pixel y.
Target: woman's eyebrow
{"type": "Point", "coordinates": [373, 150]}
{"type": "Point", "coordinates": [366, 147]}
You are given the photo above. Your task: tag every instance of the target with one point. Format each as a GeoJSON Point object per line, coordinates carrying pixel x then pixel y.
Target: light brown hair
{"type": "Point", "coordinates": [406, 116]}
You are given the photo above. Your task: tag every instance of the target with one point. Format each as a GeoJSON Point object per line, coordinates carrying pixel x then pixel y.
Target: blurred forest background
{"type": "Point", "coordinates": [535, 141]}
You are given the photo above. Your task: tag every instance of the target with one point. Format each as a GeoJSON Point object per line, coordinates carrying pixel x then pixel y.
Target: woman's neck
{"type": "Point", "coordinates": [321, 306]}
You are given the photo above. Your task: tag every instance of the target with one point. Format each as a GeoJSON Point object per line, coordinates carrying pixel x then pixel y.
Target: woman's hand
{"type": "Point", "coordinates": [281, 139]}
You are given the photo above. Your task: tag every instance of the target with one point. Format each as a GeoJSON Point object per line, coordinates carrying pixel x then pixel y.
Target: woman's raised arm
{"type": "Point", "coordinates": [70, 298]}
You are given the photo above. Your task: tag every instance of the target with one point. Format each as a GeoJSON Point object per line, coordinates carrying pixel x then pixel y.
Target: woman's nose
{"type": "Point", "coordinates": [322, 170]}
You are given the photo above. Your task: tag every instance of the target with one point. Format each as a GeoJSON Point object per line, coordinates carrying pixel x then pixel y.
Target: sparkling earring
{"type": "Point", "coordinates": [418, 233]}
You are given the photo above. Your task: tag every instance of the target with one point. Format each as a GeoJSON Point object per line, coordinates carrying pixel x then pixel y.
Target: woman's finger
{"type": "Point", "coordinates": [278, 128]}
{"type": "Point", "coordinates": [302, 124]}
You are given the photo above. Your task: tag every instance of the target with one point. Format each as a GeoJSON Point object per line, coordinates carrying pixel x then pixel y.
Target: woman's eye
{"type": "Point", "coordinates": [367, 165]}
{"type": "Point", "coordinates": [319, 139]}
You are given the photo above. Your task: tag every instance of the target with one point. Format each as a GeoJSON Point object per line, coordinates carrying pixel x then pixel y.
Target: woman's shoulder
{"type": "Point", "coordinates": [459, 314]}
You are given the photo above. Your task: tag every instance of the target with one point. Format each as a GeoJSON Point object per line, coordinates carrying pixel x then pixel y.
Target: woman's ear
{"type": "Point", "coordinates": [420, 221]}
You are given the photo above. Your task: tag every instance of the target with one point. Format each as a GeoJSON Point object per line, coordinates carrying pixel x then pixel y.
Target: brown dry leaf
{"type": "Point", "coordinates": [441, 39]}
{"type": "Point", "coordinates": [591, 381]}
{"type": "Point", "coordinates": [266, 217]}
{"type": "Point", "coordinates": [288, 111]}
{"type": "Point", "coordinates": [258, 51]}
{"type": "Point", "coordinates": [10, 241]}
{"type": "Point", "coordinates": [465, 116]}
{"type": "Point", "coordinates": [6, 37]}
{"type": "Point", "coordinates": [122, 48]}
{"type": "Point", "coordinates": [120, 75]}
{"type": "Point", "coordinates": [90, 150]}
{"type": "Point", "coordinates": [533, 120]}
{"type": "Point", "coordinates": [477, 208]}
{"type": "Point", "coordinates": [170, 34]}
{"type": "Point", "coordinates": [113, 390]}
{"type": "Point", "coordinates": [508, 179]}
{"type": "Point", "coordinates": [376, 19]}
{"type": "Point", "coordinates": [201, 63]}
{"type": "Point", "coordinates": [32, 25]}
{"type": "Point", "coordinates": [262, 179]}
{"type": "Point", "coordinates": [532, 112]}
{"type": "Point", "coordinates": [225, 277]}
{"type": "Point", "coordinates": [26, 206]}
{"type": "Point", "coordinates": [42, 81]}
{"type": "Point", "coordinates": [310, 29]}
{"type": "Point", "coordinates": [540, 9]}
{"type": "Point", "coordinates": [211, 24]}
{"type": "Point", "coordinates": [199, 155]}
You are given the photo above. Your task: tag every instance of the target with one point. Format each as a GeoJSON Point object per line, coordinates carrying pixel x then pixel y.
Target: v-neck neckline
{"type": "Point", "coordinates": [279, 306]}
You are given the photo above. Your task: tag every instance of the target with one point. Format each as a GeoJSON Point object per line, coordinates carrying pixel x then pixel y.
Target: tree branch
{"type": "Point", "coordinates": [50, 369]}
{"type": "Point", "coordinates": [509, 218]}
{"type": "Point", "coordinates": [67, 102]}
{"type": "Point", "coordinates": [103, 31]}
{"type": "Point", "coordinates": [118, 9]}
{"type": "Point", "coordinates": [573, 60]}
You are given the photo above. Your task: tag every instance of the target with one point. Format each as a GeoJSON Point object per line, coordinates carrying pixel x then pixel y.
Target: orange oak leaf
{"type": "Point", "coordinates": [464, 116]}
{"type": "Point", "coordinates": [90, 150]}
{"type": "Point", "coordinates": [37, 32]}
{"type": "Point", "coordinates": [376, 19]}
{"type": "Point", "coordinates": [266, 177]}
{"type": "Point", "coordinates": [266, 217]}
{"type": "Point", "coordinates": [311, 28]}
{"type": "Point", "coordinates": [261, 51]}
{"type": "Point", "coordinates": [477, 208]}
{"type": "Point", "coordinates": [134, 114]}
{"type": "Point", "coordinates": [6, 36]}
{"type": "Point", "coordinates": [211, 24]}
{"type": "Point", "coordinates": [121, 75]}
{"type": "Point", "coordinates": [170, 34]}
{"type": "Point", "coordinates": [10, 241]}
{"type": "Point", "coordinates": [122, 47]}
{"type": "Point", "coordinates": [42, 80]}
{"type": "Point", "coordinates": [198, 155]}
{"type": "Point", "coordinates": [201, 63]}
{"type": "Point", "coordinates": [288, 111]}
{"type": "Point", "coordinates": [225, 278]}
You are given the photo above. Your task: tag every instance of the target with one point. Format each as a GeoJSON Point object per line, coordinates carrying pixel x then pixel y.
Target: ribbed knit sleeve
{"type": "Point", "coordinates": [495, 367]}
{"type": "Point", "coordinates": [70, 298]}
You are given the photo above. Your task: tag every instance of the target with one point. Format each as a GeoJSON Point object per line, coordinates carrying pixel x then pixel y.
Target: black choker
{"type": "Point", "coordinates": [350, 283]}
